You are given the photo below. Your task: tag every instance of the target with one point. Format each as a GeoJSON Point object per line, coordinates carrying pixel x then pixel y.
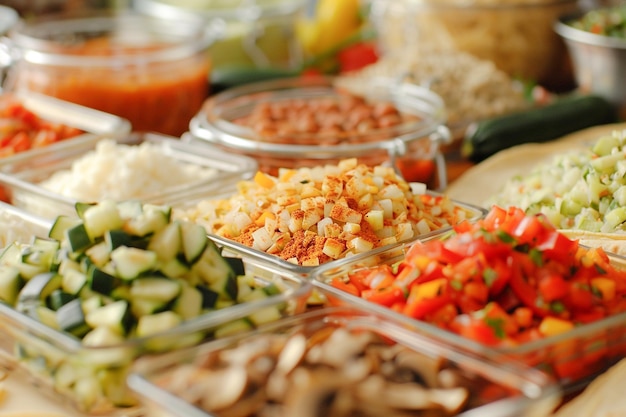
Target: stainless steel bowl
{"type": "Point", "coordinates": [599, 61]}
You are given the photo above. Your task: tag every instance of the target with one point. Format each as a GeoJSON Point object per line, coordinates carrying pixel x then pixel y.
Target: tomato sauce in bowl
{"type": "Point", "coordinates": [152, 72]}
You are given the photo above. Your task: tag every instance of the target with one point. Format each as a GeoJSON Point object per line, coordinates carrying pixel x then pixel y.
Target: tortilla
{"type": "Point", "coordinates": [610, 242]}
{"type": "Point", "coordinates": [603, 397]}
{"type": "Point", "coordinates": [486, 179]}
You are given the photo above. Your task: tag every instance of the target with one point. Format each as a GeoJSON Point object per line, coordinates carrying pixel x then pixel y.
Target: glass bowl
{"type": "Point", "coordinates": [320, 362]}
{"type": "Point", "coordinates": [22, 176]}
{"type": "Point", "coordinates": [91, 378]}
{"type": "Point", "coordinates": [412, 147]}
{"type": "Point", "coordinates": [153, 72]}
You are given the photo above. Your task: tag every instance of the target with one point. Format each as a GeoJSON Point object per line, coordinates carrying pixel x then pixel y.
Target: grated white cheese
{"type": "Point", "coordinates": [118, 171]}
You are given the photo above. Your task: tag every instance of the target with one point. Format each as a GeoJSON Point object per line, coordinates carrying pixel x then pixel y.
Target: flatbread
{"type": "Point", "coordinates": [486, 179]}
{"type": "Point", "coordinates": [604, 397]}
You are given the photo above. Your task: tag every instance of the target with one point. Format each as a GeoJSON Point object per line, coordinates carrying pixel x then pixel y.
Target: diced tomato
{"type": "Point", "coordinates": [552, 286]}
{"type": "Point", "coordinates": [387, 296]}
{"type": "Point", "coordinates": [475, 329]}
{"type": "Point", "coordinates": [357, 56]}
{"type": "Point", "coordinates": [345, 286]}
{"type": "Point", "coordinates": [496, 280]}
{"type": "Point", "coordinates": [21, 129]}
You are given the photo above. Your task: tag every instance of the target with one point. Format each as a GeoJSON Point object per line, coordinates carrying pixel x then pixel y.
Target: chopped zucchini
{"type": "Point", "coordinates": [100, 281]}
{"type": "Point", "coordinates": [233, 327]}
{"type": "Point", "coordinates": [61, 225]}
{"type": "Point", "coordinates": [11, 283]}
{"type": "Point", "coordinates": [147, 223]}
{"type": "Point", "coordinates": [158, 289]}
{"type": "Point", "coordinates": [58, 298]}
{"type": "Point", "coordinates": [157, 323]}
{"type": "Point", "coordinates": [78, 238]}
{"type": "Point", "coordinates": [194, 241]}
{"type": "Point", "coordinates": [73, 281]}
{"type": "Point", "coordinates": [145, 306]}
{"type": "Point", "coordinates": [101, 217]}
{"type": "Point", "coordinates": [71, 318]}
{"type": "Point", "coordinates": [167, 243]}
{"type": "Point", "coordinates": [115, 316]}
{"type": "Point", "coordinates": [189, 303]}
{"type": "Point", "coordinates": [37, 289]}
{"type": "Point", "coordinates": [130, 263]}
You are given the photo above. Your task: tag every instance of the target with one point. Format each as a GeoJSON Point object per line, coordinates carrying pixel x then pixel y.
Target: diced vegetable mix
{"type": "Point", "coordinates": [123, 271]}
{"type": "Point", "coordinates": [608, 21]}
{"type": "Point", "coordinates": [503, 281]}
{"type": "Point", "coordinates": [21, 129]}
{"type": "Point", "coordinates": [584, 189]}
{"type": "Point", "coordinates": [309, 216]}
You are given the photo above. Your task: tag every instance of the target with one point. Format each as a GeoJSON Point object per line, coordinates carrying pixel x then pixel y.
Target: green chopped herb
{"type": "Point", "coordinates": [497, 324]}
{"type": "Point", "coordinates": [489, 276]}
{"type": "Point", "coordinates": [557, 307]}
{"type": "Point", "coordinates": [536, 256]}
{"type": "Point", "coordinates": [456, 284]}
{"type": "Point", "coordinates": [505, 237]}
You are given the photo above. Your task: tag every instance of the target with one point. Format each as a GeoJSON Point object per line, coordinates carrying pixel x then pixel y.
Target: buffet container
{"type": "Point", "coordinates": [599, 61]}
{"type": "Point", "coordinates": [411, 147]}
{"type": "Point", "coordinates": [21, 174]}
{"type": "Point", "coordinates": [91, 379]}
{"type": "Point", "coordinates": [516, 35]}
{"type": "Point", "coordinates": [153, 72]}
{"type": "Point", "coordinates": [17, 225]}
{"type": "Point", "coordinates": [504, 388]}
{"type": "Point", "coordinates": [257, 37]}
{"type": "Point", "coordinates": [473, 213]}
{"type": "Point", "coordinates": [59, 113]}
{"type": "Point", "coordinates": [573, 358]}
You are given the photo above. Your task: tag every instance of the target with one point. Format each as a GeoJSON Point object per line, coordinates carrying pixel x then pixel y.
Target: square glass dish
{"type": "Point", "coordinates": [89, 120]}
{"type": "Point", "coordinates": [201, 210]}
{"type": "Point", "coordinates": [33, 122]}
{"type": "Point", "coordinates": [332, 362]}
{"type": "Point", "coordinates": [91, 378]}
{"type": "Point", "coordinates": [572, 355]}
{"type": "Point", "coordinates": [150, 167]}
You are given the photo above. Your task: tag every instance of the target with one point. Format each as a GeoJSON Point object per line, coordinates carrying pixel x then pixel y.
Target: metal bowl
{"type": "Point", "coordinates": [599, 61]}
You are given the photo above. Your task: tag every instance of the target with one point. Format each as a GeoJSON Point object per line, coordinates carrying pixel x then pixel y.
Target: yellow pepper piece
{"type": "Point", "coordinates": [265, 215]}
{"type": "Point", "coordinates": [606, 286]}
{"type": "Point", "coordinates": [430, 289]}
{"type": "Point", "coordinates": [335, 20]}
{"type": "Point", "coordinates": [263, 180]}
{"type": "Point", "coordinates": [551, 326]}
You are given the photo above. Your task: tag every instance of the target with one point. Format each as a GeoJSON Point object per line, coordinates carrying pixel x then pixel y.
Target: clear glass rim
{"type": "Point", "coordinates": [213, 125]}
{"type": "Point", "coordinates": [186, 37]}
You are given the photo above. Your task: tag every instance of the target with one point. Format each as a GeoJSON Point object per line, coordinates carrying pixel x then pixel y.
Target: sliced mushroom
{"type": "Point", "coordinates": [246, 352]}
{"type": "Point", "coordinates": [247, 406]}
{"type": "Point", "coordinates": [312, 392]}
{"type": "Point", "coordinates": [292, 353]}
{"type": "Point", "coordinates": [426, 367]}
{"type": "Point", "coordinates": [339, 348]}
{"type": "Point", "coordinates": [223, 387]}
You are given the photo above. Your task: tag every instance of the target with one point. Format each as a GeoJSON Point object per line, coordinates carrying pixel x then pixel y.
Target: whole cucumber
{"type": "Point", "coordinates": [540, 124]}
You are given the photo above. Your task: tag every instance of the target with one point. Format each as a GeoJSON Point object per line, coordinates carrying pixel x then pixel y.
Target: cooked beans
{"type": "Point", "coordinates": [323, 120]}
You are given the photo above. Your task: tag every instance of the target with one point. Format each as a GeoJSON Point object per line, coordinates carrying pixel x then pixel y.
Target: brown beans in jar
{"type": "Point", "coordinates": [325, 120]}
